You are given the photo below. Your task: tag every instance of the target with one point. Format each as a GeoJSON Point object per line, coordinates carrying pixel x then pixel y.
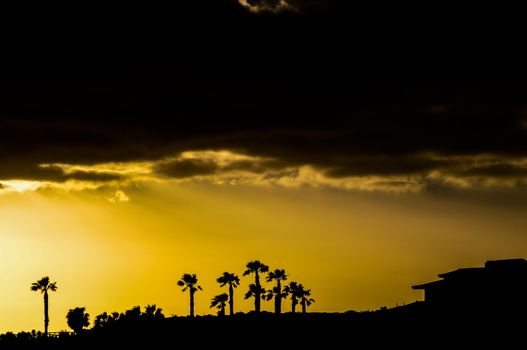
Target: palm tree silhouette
{"type": "Point", "coordinates": [292, 290]}
{"type": "Point", "coordinates": [190, 282]}
{"type": "Point", "coordinates": [219, 302]}
{"type": "Point", "coordinates": [304, 296]}
{"type": "Point", "coordinates": [255, 267]}
{"type": "Point", "coordinates": [233, 281]}
{"type": "Point", "coordinates": [256, 292]}
{"type": "Point", "coordinates": [78, 319]}
{"type": "Point", "coordinates": [43, 285]}
{"type": "Point", "coordinates": [278, 275]}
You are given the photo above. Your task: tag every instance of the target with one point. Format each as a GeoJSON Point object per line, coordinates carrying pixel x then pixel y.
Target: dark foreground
{"type": "Point", "coordinates": [413, 326]}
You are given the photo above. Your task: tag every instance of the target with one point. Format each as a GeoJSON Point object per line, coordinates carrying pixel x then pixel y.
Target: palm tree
{"type": "Point", "coordinates": [78, 319]}
{"type": "Point", "coordinates": [278, 275]}
{"type": "Point", "coordinates": [233, 281]}
{"type": "Point", "coordinates": [43, 285]}
{"type": "Point", "coordinates": [304, 296]}
{"type": "Point", "coordinates": [256, 267]}
{"type": "Point", "coordinates": [219, 302]}
{"type": "Point", "coordinates": [292, 290]}
{"type": "Point", "coordinates": [256, 292]}
{"type": "Point", "coordinates": [190, 282]}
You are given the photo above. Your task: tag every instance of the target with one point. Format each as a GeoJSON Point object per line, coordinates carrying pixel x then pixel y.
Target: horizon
{"type": "Point", "coordinates": [290, 132]}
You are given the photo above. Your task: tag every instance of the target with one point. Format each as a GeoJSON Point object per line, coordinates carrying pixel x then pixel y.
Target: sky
{"type": "Point", "coordinates": [361, 155]}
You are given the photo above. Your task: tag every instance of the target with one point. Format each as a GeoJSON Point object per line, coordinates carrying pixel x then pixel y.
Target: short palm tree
{"type": "Point", "coordinates": [190, 282]}
{"type": "Point", "coordinates": [255, 292]}
{"type": "Point", "coordinates": [78, 319]}
{"type": "Point", "coordinates": [256, 267]}
{"type": "Point", "coordinates": [43, 285]}
{"type": "Point", "coordinates": [219, 302]}
{"type": "Point", "coordinates": [292, 290]}
{"type": "Point", "coordinates": [277, 275]}
{"type": "Point", "coordinates": [304, 296]}
{"type": "Point", "coordinates": [233, 281]}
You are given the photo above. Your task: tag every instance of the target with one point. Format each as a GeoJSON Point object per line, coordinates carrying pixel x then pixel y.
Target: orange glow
{"type": "Point", "coordinates": [355, 251]}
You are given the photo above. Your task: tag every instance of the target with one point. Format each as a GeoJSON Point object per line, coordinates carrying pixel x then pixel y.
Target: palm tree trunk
{"type": "Point", "coordinates": [46, 316]}
{"type": "Point", "coordinates": [231, 299]}
{"type": "Point", "coordinates": [278, 298]}
{"type": "Point", "coordinates": [303, 306]}
{"type": "Point", "coordinates": [257, 296]}
{"type": "Point", "coordinates": [191, 303]}
{"type": "Point", "coordinates": [293, 304]}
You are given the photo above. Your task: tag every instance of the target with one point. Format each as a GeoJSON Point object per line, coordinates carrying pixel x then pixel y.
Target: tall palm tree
{"type": "Point", "coordinates": [190, 282]}
{"type": "Point", "coordinates": [43, 285]}
{"type": "Point", "coordinates": [233, 281]}
{"type": "Point", "coordinates": [277, 275]}
{"type": "Point", "coordinates": [304, 296]}
{"type": "Point", "coordinates": [219, 302]}
{"type": "Point", "coordinates": [292, 290]}
{"type": "Point", "coordinates": [257, 291]}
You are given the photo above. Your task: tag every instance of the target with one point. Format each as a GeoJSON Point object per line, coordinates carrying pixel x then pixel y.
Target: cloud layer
{"type": "Point", "coordinates": [296, 98]}
{"type": "Point", "coordinates": [415, 173]}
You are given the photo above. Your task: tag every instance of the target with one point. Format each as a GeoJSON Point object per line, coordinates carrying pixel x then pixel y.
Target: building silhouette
{"type": "Point", "coordinates": [498, 287]}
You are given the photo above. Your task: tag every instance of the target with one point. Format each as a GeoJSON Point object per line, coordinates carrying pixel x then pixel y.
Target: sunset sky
{"type": "Point", "coordinates": [282, 131]}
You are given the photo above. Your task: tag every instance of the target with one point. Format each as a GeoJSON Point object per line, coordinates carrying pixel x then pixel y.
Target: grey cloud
{"type": "Point", "coordinates": [385, 165]}
{"type": "Point", "coordinates": [277, 175]}
{"type": "Point", "coordinates": [283, 5]}
{"type": "Point", "coordinates": [266, 5]}
{"type": "Point", "coordinates": [92, 176]}
{"type": "Point", "coordinates": [183, 168]}
{"type": "Point", "coordinates": [254, 166]}
{"type": "Point", "coordinates": [497, 170]}
{"type": "Point", "coordinates": [27, 171]}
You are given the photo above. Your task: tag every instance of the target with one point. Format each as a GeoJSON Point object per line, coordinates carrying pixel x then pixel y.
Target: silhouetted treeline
{"type": "Point", "coordinates": [491, 322]}
{"type": "Point", "coordinates": [412, 326]}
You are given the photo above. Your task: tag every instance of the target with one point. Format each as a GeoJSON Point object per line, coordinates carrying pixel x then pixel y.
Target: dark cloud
{"type": "Point", "coordinates": [183, 168]}
{"type": "Point", "coordinates": [92, 176]}
{"type": "Point", "coordinates": [276, 175]}
{"type": "Point", "coordinates": [322, 87]}
{"type": "Point", "coordinates": [188, 167]}
{"type": "Point", "coordinates": [498, 170]}
{"type": "Point", "coordinates": [394, 183]}
{"type": "Point", "coordinates": [277, 6]}
{"type": "Point", "coordinates": [385, 165]}
{"type": "Point", "coordinates": [254, 166]}
{"type": "Point", "coordinates": [265, 4]}
{"type": "Point", "coordinates": [28, 169]}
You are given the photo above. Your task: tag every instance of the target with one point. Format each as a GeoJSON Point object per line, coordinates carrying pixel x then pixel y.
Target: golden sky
{"type": "Point", "coordinates": [110, 249]}
{"type": "Point", "coordinates": [294, 141]}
